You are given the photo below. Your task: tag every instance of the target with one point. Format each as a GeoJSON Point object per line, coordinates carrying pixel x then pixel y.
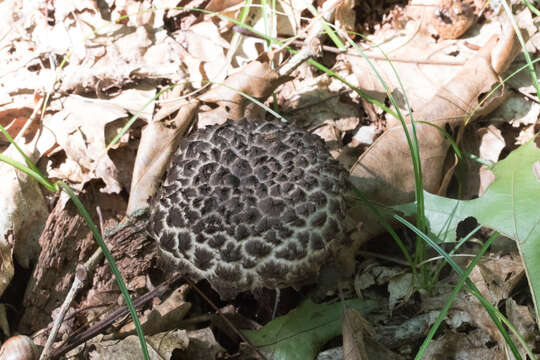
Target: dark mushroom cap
{"type": "Point", "coordinates": [247, 205]}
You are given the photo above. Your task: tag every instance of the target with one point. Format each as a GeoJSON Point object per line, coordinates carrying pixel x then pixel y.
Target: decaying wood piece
{"type": "Point", "coordinates": [66, 242]}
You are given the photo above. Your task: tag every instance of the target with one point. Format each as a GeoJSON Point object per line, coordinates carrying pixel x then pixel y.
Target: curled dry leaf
{"type": "Point", "coordinates": [159, 140]}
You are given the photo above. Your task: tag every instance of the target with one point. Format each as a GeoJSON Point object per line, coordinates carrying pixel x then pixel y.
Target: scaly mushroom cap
{"type": "Point", "coordinates": [247, 205]}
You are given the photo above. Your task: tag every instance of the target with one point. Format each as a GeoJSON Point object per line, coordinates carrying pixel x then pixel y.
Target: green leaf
{"type": "Point", "coordinates": [511, 206]}
{"type": "Point", "coordinates": [302, 332]}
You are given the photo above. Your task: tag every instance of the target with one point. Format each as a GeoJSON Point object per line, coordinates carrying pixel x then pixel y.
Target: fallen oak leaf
{"type": "Point", "coordinates": [384, 172]}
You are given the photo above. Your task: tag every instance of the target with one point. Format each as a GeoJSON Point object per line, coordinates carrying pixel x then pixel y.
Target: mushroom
{"type": "Point", "coordinates": [247, 205]}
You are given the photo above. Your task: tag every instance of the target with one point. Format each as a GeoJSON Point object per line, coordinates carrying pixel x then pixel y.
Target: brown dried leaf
{"type": "Point", "coordinates": [472, 345]}
{"type": "Point", "coordinates": [522, 319]}
{"type": "Point", "coordinates": [255, 79]}
{"type": "Point", "coordinates": [496, 277]}
{"type": "Point", "coordinates": [13, 120]}
{"type": "Point", "coordinates": [222, 6]}
{"type": "Point", "coordinates": [451, 18]}
{"type": "Point", "coordinates": [160, 346]}
{"type": "Point", "coordinates": [158, 141]}
{"type": "Point", "coordinates": [7, 269]}
{"type": "Point", "coordinates": [384, 172]}
{"type": "Point", "coordinates": [163, 317]}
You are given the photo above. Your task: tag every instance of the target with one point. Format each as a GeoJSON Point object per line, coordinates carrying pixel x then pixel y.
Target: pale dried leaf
{"type": "Point", "coordinates": [491, 143]}
{"type": "Point", "coordinates": [406, 332]}
{"type": "Point", "coordinates": [490, 278]}
{"type": "Point", "coordinates": [313, 106]}
{"type": "Point", "coordinates": [283, 22]}
{"type": "Point", "coordinates": [224, 6]}
{"type": "Point", "coordinates": [130, 56]}
{"type": "Point", "coordinates": [133, 100]}
{"type": "Point", "coordinates": [366, 134]}
{"type": "Point", "coordinates": [80, 129]}
{"type": "Point", "coordinates": [205, 42]}
{"type": "Point", "coordinates": [202, 345]}
{"type": "Point", "coordinates": [517, 111]}
{"type": "Point", "coordinates": [487, 143]}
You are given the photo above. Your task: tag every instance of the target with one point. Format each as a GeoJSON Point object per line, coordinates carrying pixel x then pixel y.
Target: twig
{"type": "Point", "coordinates": [83, 336]}
{"type": "Point", "coordinates": [81, 274]}
{"type": "Point", "coordinates": [335, 50]}
{"type": "Point", "coordinates": [310, 47]}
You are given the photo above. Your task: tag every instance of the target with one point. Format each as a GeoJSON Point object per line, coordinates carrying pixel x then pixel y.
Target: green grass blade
{"type": "Point", "coordinates": [530, 66]}
{"type": "Point", "coordinates": [130, 122]}
{"type": "Point", "coordinates": [112, 264]}
{"type": "Point", "coordinates": [531, 7]}
{"type": "Point", "coordinates": [493, 312]}
{"type": "Point", "coordinates": [453, 295]}
{"type": "Point", "coordinates": [35, 174]}
{"type": "Point", "coordinates": [327, 28]}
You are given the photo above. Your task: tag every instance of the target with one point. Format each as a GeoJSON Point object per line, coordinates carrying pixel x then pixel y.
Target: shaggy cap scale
{"type": "Point", "coordinates": [247, 205]}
